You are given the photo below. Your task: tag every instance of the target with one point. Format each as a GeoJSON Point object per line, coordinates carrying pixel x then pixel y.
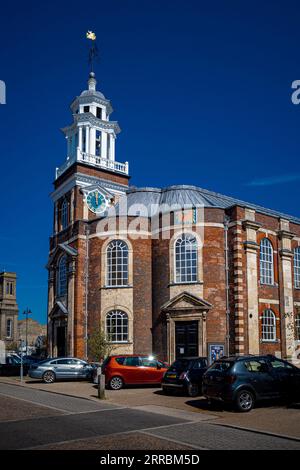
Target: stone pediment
{"type": "Point", "coordinates": [59, 310]}
{"type": "Point", "coordinates": [61, 248]}
{"type": "Point", "coordinates": [186, 301]}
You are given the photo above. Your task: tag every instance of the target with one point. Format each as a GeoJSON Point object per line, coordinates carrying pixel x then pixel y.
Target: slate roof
{"type": "Point", "coordinates": [154, 200]}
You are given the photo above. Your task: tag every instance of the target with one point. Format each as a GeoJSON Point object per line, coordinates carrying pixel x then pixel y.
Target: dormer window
{"type": "Point", "coordinates": [99, 113]}
{"type": "Point", "coordinates": [86, 109]}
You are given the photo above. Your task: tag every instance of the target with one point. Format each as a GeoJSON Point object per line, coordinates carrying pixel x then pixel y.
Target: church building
{"type": "Point", "coordinates": [175, 271]}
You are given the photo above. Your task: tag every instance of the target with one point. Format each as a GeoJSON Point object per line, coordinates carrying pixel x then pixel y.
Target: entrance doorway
{"type": "Point", "coordinates": [61, 341]}
{"type": "Point", "coordinates": [186, 338]}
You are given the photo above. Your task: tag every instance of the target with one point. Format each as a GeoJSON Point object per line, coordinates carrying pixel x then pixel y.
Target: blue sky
{"type": "Point", "coordinates": [202, 91]}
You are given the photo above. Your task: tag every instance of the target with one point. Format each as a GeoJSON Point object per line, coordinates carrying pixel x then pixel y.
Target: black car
{"type": "Point", "coordinates": [185, 374]}
{"type": "Point", "coordinates": [243, 380]}
{"type": "Point", "coordinates": [12, 367]}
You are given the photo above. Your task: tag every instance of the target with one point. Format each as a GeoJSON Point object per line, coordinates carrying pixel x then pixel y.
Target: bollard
{"type": "Point", "coordinates": [101, 387]}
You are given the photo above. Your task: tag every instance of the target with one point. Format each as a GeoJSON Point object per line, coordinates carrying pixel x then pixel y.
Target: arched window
{"type": "Point", "coordinates": [9, 328]}
{"type": "Point", "coordinates": [64, 215]}
{"type": "Point", "coordinates": [268, 326]}
{"type": "Point", "coordinates": [186, 259]}
{"type": "Point", "coordinates": [297, 327]}
{"type": "Point", "coordinates": [62, 276]}
{"type": "Point", "coordinates": [297, 267]}
{"type": "Point", "coordinates": [117, 263]}
{"type": "Point", "coordinates": [266, 262]}
{"type": "Point", "coordinates": [117, 326]}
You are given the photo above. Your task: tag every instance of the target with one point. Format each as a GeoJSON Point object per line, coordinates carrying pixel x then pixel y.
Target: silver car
{"type": "Point", "coordinates": [60, 368]}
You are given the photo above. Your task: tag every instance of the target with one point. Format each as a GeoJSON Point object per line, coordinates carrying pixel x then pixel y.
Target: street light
{"type": "Point", "coordinates": [27, 312]}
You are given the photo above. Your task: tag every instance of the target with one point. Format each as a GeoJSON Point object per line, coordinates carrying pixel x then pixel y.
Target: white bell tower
{"type": "Point", "coordinates": [91, 138]}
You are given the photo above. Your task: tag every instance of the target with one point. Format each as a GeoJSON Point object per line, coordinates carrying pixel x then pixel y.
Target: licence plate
{"type": "Point", "coordinates": [172, 376]}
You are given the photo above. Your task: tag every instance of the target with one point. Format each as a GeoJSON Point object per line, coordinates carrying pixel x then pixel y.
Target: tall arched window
{"type": "Point", "coordinates": [62, 276]}
{"type": "Point", "coordinates": [64, 215]}
{"type": "Point", "coordinates": [266, 262]}
{"type": "Point", "coordinates": [297, 267]}
{"type": "Point", "coordinates": [186, 259]}
{"type": "Point", "coordinates": [9, 324]}
{"type": "Point", "coordinates": [117, 263]}
{"type": "Point", "coordinates": [268, 325]}
{"type": "Point", "coordinates": [117, 326]}
{"type": "Point", "coordinates": [297, 327]}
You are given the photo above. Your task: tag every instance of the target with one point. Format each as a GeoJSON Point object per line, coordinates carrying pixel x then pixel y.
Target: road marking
{"type": "Point", "coordinates": [258, 431]}
{"type": "Point", "coordinates": [152, 434]}
{"type": "Point", "coordinates": [66, 412]}
{"type": "Point", "coordinates": [113, 434]}
{"type": "Point", "coordinates": [35, 403]}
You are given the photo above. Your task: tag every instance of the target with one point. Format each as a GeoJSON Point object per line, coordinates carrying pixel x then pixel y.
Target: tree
{"type": "Point", "coordinates": [99, 345]}
{"type": "Point", "coordinates": [12, 346]}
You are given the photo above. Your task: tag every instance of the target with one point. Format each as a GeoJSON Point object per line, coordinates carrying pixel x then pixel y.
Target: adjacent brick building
{"type": "Point", "coordinates": [175, 271]}
{"type": "Point", "coordinates": [8, 308]}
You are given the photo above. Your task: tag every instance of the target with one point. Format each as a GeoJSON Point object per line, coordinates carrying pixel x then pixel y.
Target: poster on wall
{"type": "Point", "coordinates": [215, 352]}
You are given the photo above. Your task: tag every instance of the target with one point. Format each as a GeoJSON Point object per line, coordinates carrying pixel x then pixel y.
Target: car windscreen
{"type": "Point", "coordinates": [181, 365]}
{"type": "Point", "coordinates": [221, 366]}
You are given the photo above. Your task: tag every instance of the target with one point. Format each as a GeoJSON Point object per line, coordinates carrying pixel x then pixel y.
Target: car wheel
{"type": "Point", "coordinates": [193, 390]}
{"type": "Point", "coordinates": [49, 377]}
{"type": "Point", "coordinates": [244, 401]}
{"type": "Point", "coordinates": [116, 383]}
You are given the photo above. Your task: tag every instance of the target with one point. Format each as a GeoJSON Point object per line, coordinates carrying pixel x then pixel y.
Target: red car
{"type": "Point", "coordinates": [132, 369]}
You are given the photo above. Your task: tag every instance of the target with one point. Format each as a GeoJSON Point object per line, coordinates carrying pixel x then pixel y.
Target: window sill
{"type": "Point", "coordinates": [199, 283]}
{"type": "Point", "coordinates": [120, 342]}
{"type": "Point", "coordinates": [117, 287]}
{"type": "Point", "coordinates": [268, 285]}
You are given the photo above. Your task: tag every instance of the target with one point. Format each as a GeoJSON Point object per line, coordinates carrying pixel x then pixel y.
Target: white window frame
{"type": "Point", "coordinates": [185, 267]}
{"type": "Point", "coordinates": [117, 326]}
{"type": "Point", "coordinates": [9, 329]}
{"type": "Point", "coordinates": [62, 279]}
{"type": "Point", "coordinates": [297, 326]}
{"type": "Point", "coordinates": [64, 215]}
{"type": "Point", "coordinates": [266, 262]}
{"type": "Point", "coordinates": [297, 267]}
{"type": "Point", "coordinates": [268, 326]}
{"type": "Point", "coordinates": [117, 274]}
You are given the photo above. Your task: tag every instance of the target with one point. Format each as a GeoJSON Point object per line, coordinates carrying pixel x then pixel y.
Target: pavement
{"type": "Point", "coordinates": [68, 415]}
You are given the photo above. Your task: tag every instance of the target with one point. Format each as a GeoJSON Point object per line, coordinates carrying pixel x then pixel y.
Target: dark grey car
{"type": "Point", "coordinates": [61, 368]}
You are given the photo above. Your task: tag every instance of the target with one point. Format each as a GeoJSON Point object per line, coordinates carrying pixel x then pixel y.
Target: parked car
{"type": "Point", "coordinates": [54, 369]}
{"type": "Point", "coordinates": [133, 369]}
{"type": "Point", "coordinates": [244, 380]}
{"type": "Point", "coordinates": [185, 375]}
{"type": "Point", "coordinates": [12, 366]}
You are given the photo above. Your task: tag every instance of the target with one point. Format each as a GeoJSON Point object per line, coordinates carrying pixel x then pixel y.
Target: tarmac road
{"type": "Point", "coordinates": [39, 419]}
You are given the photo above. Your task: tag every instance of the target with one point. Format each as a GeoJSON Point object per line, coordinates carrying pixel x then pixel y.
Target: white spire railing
{"type": "Point", "coordinates": [93, 160]}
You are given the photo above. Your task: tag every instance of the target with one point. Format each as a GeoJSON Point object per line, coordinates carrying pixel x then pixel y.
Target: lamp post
{"type": "Point", "coordinates": [27, 312]}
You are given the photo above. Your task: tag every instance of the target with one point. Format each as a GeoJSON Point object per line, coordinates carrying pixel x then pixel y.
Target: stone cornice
{"type": "Point", "coordinates": [251, 246]}
{"type": "Point", "coordinates": [252, 224]}
{"type": "Point", "coordinates": [286, 234]}
{"type": "Point", "coordinates": [105, 125]}
{"type": "Point", "coordinates": [285, 253]}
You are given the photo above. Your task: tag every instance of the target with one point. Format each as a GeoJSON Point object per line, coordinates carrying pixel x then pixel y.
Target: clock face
{"type": "Point", "coordinates": [96, 201]}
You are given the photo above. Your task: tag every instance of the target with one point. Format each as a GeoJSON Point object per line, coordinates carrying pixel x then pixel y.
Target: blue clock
{"type": "Point", "coordinates": [96, 201]}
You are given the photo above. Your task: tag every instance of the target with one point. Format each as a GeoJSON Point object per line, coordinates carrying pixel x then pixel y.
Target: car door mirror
{"type": "Point", "coordinates": [158, 366]}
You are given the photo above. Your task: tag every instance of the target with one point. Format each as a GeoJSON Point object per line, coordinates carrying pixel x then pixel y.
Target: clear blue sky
{"type": "Point", "coordinates": [200, 89]}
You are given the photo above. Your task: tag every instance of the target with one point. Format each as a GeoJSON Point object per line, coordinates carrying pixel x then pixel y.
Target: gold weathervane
{"type": "Point", "coordinates": [91, 35]}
